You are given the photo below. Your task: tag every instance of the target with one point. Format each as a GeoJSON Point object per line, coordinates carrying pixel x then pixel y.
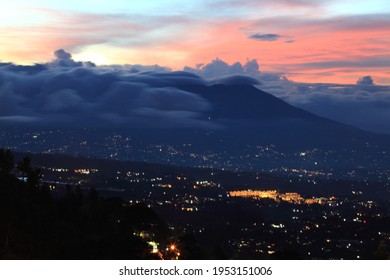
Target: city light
{"type": "Point", "coordinates": [289, 197]}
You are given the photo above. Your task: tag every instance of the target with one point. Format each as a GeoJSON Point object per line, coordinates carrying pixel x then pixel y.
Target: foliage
{"type": "Point", "coordinates": [76, 225]}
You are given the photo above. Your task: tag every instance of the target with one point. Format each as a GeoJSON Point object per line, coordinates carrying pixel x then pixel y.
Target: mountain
{"type": "Point", "coordinates": [252, 116]}
{"type": "Point", "coordinates": [240, 127]}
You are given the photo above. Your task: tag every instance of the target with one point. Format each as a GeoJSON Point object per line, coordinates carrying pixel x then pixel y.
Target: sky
{"type": "Point", "coordinates": [309, 41]}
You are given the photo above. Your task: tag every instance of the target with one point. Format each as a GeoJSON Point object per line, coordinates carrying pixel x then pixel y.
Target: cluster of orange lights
{"type": "Point", "coordinates": [251, 193]}
{"type": "Point", "coordinates": [85, 171]}
{"type": "Point", "coordinates": [290, 197]}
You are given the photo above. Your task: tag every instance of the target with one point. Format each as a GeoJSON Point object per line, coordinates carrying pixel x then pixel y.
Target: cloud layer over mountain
{"type": "Point", "coordinates": [68, 92]}
{"type": "Point", "coordinates": [364, 105]}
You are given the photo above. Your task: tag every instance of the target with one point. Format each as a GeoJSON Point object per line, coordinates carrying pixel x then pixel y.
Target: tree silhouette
{"type": "Point", "coordinates": [24, 166]}
{"type": "Point", "coordinates": [36, 225]}
{"type": "Point", "coordinates": [6, 161]}
{"type": "Point", "coordinates": [33, 175]}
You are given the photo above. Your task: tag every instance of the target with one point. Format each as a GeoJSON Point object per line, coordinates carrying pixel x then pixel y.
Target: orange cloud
{"type": "Point", "coordinates": [338, 49]}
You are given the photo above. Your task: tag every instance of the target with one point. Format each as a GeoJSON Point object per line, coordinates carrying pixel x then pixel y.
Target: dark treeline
{"type": "Point", "coordinates": [76, 225]}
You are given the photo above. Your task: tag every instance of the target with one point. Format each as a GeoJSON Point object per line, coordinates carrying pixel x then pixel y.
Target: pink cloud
{"type": "Point", "coordinates": [324, 49]}
{"type": "Point", "coordinates": [327, 49]}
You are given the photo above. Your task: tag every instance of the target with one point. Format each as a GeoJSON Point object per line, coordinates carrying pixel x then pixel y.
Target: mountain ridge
{"type": "Point", "coordinates": [238, 127]}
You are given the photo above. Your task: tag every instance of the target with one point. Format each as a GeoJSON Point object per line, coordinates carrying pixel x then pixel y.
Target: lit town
{"type": "Point", "coordinates": [204, 213]}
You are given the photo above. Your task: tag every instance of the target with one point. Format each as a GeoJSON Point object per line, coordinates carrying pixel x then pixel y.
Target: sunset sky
{"type": "Point", "coordinates": [306, 40]}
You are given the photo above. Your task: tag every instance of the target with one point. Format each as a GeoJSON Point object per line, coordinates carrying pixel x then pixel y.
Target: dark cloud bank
{"type": "Point", "coordinates": [364, 105]}
{"type": "Point", "coordinates": [67, 92]}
